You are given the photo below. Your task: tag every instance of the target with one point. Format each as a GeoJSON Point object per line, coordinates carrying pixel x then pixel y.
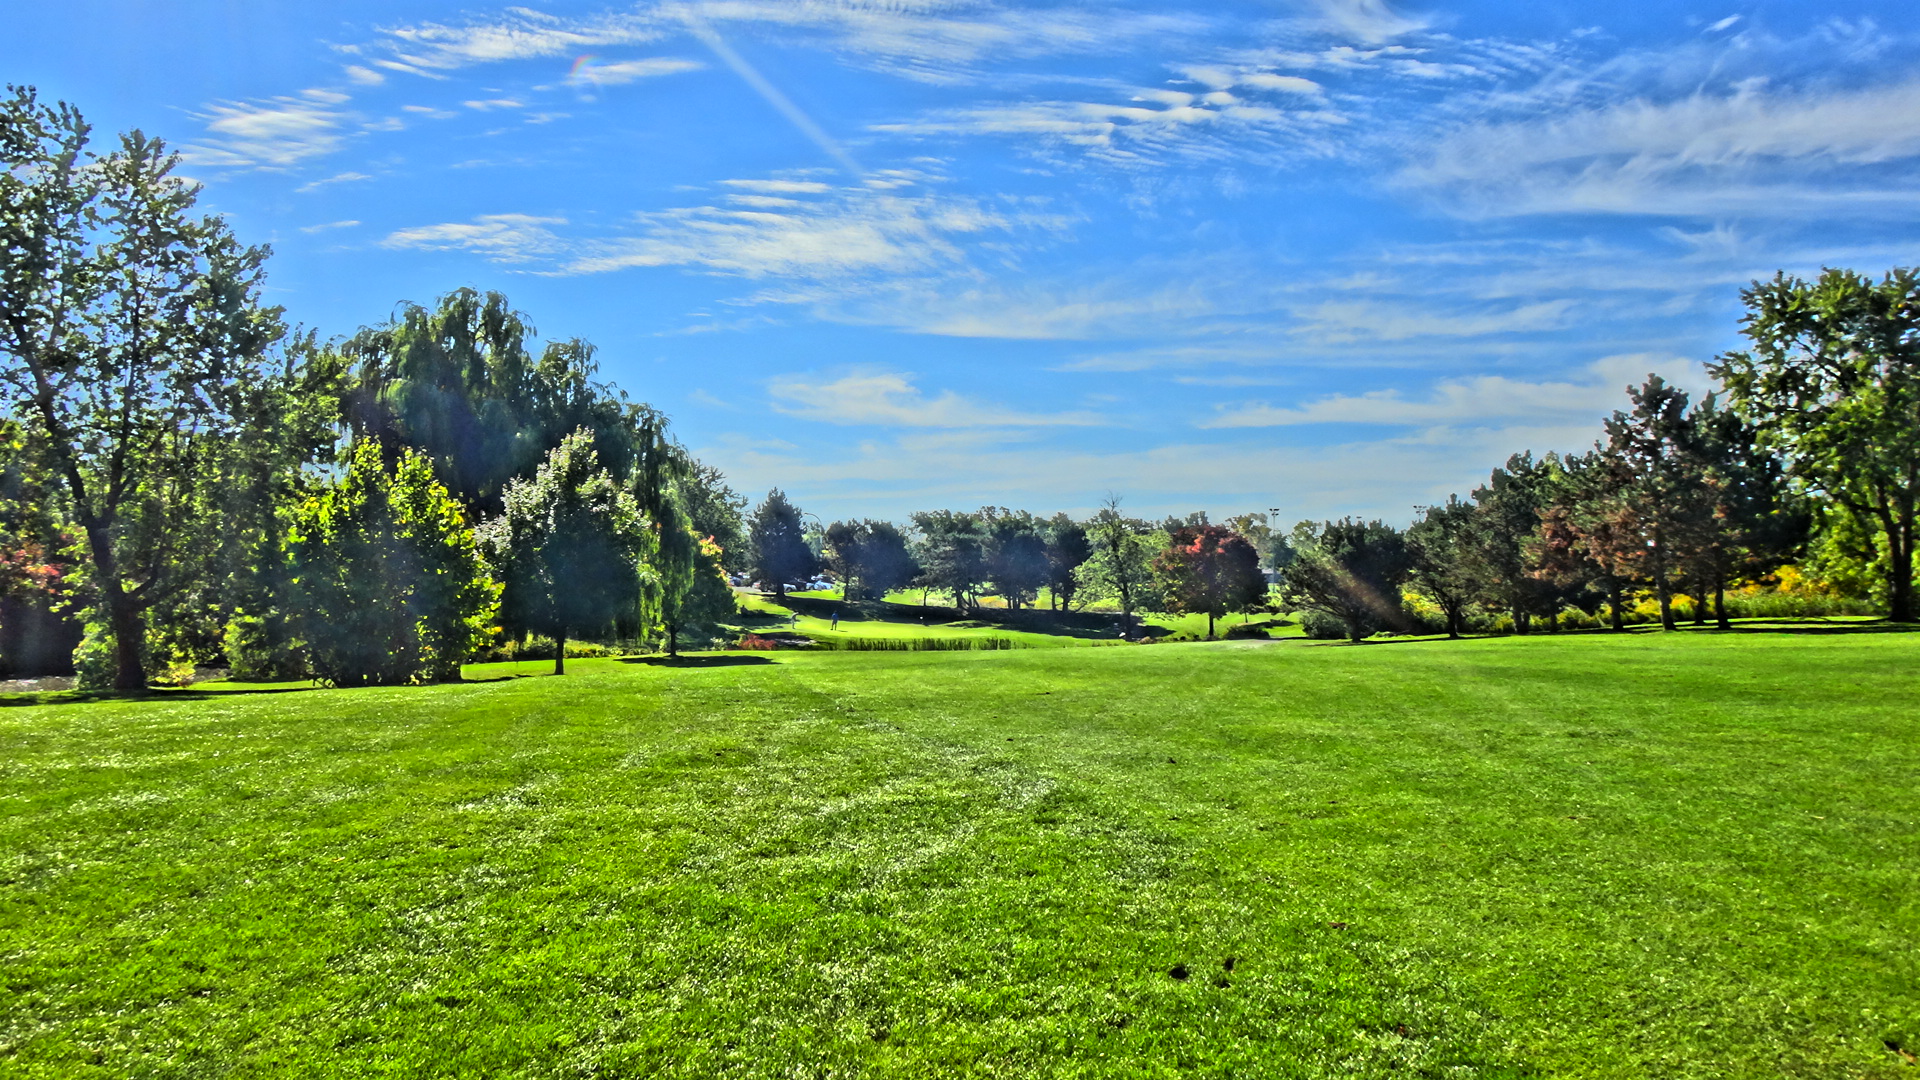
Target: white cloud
{"type": "Point", "coordinates": [852, 230]}
{"type": "Point", "coordinates": [337, 178]}
{"type": "Point", "coordinates": [1478, 400]}
{"type": "Point", "coordinates": [890, 399]}
{"type": "Point", "coordinates": [364, 76]}
{"type": "Point", "coordinates": [1748, 150]}
{"type": "Point", "coordinates": [271, 134]}
{"type": "Point", "coordinates": [620, 72]}
{"type": "Point", "coordinates": [329, 226]}
{"type": "Point", "coordinates": [1370, 21]}
{"type": "Point", "coordinates": [1154, 126]}
{"type": "Point", "coordinates": [524, 35]}
{"type": "Point", "coordinates": [500, 238]}
{"type": "Point", "coordinates": [1357, 320]}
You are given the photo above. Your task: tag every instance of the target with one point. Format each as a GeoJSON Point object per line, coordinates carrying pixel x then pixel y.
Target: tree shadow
{"type": "Point", "coordinates": [699, 661]}
{"type": "Point", "coordinates": [87, 697]}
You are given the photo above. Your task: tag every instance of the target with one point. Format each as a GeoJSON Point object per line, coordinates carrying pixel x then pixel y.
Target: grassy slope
{"type": "Point", "coordinates": [1685, 855]}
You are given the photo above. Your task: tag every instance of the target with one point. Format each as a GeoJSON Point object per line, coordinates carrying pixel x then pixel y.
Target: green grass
{"type": "Point", "coordinates": [1647, 855]}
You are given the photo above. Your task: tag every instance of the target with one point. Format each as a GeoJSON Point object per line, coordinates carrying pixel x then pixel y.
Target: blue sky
{"type": "Point", "coordinates": [1326, 256]}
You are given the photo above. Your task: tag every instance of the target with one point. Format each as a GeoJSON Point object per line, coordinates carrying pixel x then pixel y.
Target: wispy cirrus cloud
{"type": "Point", "coordinates": [499, 238]}
{"type": "Point", "coordinates": [1751, 151]}
{"type": "Point", "coordinates": [1477, 400]}
{"type": "Point", "coordinates": [433, 49]}
{"type": "Point", "coordinates": [275, 133]}
{"type": "Point", "coordinates": [890, 399]}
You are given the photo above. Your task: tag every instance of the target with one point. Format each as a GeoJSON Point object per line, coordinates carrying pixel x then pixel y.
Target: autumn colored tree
{"type": "Point", "coordinates": [1209, 569]}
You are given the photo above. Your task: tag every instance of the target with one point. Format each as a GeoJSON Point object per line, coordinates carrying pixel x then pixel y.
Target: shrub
{"type": "Point", "coordinates": [1322, 626]}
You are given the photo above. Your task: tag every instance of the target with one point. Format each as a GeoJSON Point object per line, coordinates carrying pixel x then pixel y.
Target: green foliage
{"type": "Point", "coordinates": [388, 584]}
{"type": "Point", "coordinates": [1833, 380]}
{"type": "Point", "coordinates": [1350, 570]}
{"type": "Point", "coordinates": [1441, 564]}
{"type": "Point", "coordinates": [1067, 548]}
{"type": "Point", "coordinates": [869, 558]}
{"type": "Point", "coordinates": [458, 384]}
{"type": "Point", "coordinates": [572, 548]}
{"type": "Point", "coordinates": [1120, 567]}
{"type": "Point", "coordinates": [132, 330]}
{"type": "Point", "coordinates": [780, 553]}
{"type": "Point", "coordinates": [952, 554]}
{"type": "Point", "coordinates": [1015, 554]}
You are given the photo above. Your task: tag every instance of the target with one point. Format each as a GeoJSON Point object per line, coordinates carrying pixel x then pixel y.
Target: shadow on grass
{"type": "Point", "coordinates": [699, 661]}
{"type": "Point", "coordinates": [1812, 626]}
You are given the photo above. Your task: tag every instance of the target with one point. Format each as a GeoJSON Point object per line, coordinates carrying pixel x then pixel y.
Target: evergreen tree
{"type": "Point", "coordinates": [781, 554]}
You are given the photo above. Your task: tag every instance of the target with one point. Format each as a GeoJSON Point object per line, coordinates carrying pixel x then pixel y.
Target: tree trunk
{"type": "Point", "coordinates": [1900, 571]}
{"type": "Point", "coordinates": [1700, 605]}
{"type": "Point", "coordinates": [123, 614]}
{"type": "Point", "coordinates": [1521, 621]}
{"type": "Point", "coordinates": [560, 653]}
{"type": "Point", "coordinates": [673, 639]}
{"type": "Point", "coordinates": [129, 639]}
{"type": "Point", "coordinates": [1453, 623]}
{"type": "Point", "coordinates": [1613, 602]}
{"type": "Point", "coordinates": [1720, 606]}
{"type": "Point", "coordinates": [1209, 626]}
{"type": "Point", "coordinates": [1666, 605]}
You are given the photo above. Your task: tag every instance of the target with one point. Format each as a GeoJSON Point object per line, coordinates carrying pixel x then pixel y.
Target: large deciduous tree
{"type": "Point", "coordinates": [1209, 569]}
{"type": "Point", "coordinates": [1067, 547]}
{"type": "Point", "coordinates": [1833, 380]}
{"type": "Point", "coordinates": [127, 325]}
{"type": "Point", "coordinates": [571, 546]}
{"type": "Point", "coordinates": [1016, 554]}
{"type": "Point", "coordinates": [952, 554]}
{"type": "Point", "coordinates": [1440, 559]}
{"type": "Point", "coordinates": [1121, 565]}
{"type": "Point", "coordinates": [869, 558]}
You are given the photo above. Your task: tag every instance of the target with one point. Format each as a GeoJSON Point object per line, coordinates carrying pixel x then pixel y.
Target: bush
{"type": "Point", "coordinates": [260, 650]}
{"type": "Point", "coordinates": [1322, 627]}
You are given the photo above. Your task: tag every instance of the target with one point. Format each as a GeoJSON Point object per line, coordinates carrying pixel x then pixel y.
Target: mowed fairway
{"type": "Point", "coordinates": [1657, 855]}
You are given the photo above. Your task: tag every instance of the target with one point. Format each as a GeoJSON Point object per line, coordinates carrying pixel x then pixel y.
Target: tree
{"type": "Point", "coordinates": [780, 551]}
{"type": "Point", "coordinates": [1121, 566]}
{"type": "Point", "coordinates": [953, 554]}
{"type": "Point", "coordinates": [1661, 511]}
{"type": "Point", "coordinates": [716, 512]}
{"type": "Point", "coordinates": [1210, 569]}
{"type": "Point", "coordinates": [389, 586]}
{"type": "Point", "coordinates": [458, 383]}
{"type": "Point", "coordinates": [1833, 381]}
{"type": "Point", "coordinates": [1351, 570]}
{"type": "Point", "coordinates": [1016, 555]}
{"type": "Point", "coordinates": [1067, 547]}
{"type": "Point", "coordinates": [126, 325]}
{"type": "Point", "coordinates": [1507, 517]}
{"type": "Point", "coordinates": [571, 547]}
{"type": "Point", "coordinates": [1441, 565]}
{"type": "Point", "coordinates": [869, 558]}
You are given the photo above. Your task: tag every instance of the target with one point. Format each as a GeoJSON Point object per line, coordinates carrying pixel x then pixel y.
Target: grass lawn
{"type": "Point", "coordinates": [1649, 855]}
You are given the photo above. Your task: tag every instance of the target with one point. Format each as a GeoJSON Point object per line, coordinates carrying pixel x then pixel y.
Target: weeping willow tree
{"type": "Point", "coordinates": [459, 384]}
